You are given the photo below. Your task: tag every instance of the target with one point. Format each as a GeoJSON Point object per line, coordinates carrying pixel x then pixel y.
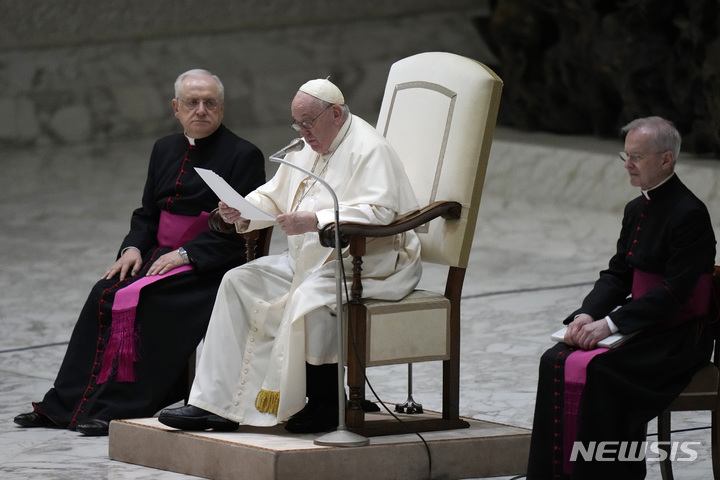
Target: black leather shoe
{"type": "Point", "coordinates": [94, 428]}
{"type": "Point", "coordinates": [314, 418]}
{"type": "Point", "coordinates": [34, 419]}
{"type": "Point", "coordinates": [191, 417]}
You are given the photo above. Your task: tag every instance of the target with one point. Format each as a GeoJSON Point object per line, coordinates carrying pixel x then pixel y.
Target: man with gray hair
{"type": "Point", "coordinates": [657, 290]}
{"type": "Point", "coordinates": [272, 339]}
{"type": "Point", "coordinates": [128, 351]}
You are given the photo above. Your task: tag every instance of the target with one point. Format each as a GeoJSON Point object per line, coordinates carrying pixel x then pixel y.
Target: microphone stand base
{"type": "Point", "coordinates": [342, 438]}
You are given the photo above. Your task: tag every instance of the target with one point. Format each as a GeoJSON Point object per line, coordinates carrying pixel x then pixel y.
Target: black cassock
{"type": "Point", "coordinates": [172, 314]}
{"type": "Point", "coordinates": [669, 236]}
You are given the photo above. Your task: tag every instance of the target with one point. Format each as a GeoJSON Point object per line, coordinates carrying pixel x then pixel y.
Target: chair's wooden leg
{"type": "Point", "coordinates": [451, 368]}
{"type": "Point", "coordinates": [355, 416]}
{"type": "Point", "coordinates": [356, 328]}
{"type": "Point", "coordinates": [664, 439]}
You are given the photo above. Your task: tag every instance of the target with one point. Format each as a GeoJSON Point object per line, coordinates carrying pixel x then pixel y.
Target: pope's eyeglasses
{"type": "Point", "coordinates": [305, 124]}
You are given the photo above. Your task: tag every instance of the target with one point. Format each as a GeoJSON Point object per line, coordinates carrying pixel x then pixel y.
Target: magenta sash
{"type": "Point", "coordinates": [697, 305]}
{"type": "Point", "coordinates": [575, 377]}
{"type": "Point", "coordinates": [173, 232]}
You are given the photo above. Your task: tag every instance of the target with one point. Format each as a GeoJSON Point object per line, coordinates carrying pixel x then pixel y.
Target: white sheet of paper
{"type": "Point", "coordinates": [230, 196]}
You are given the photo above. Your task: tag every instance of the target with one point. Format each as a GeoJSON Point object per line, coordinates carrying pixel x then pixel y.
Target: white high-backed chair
{"type": "Point", "coordinates": [439, 112]}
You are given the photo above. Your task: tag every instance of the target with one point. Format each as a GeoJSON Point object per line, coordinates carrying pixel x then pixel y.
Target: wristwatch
{"type": "Point", "coordinates": [184, 256]}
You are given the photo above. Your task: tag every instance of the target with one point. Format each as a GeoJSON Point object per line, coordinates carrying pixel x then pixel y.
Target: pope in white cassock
{"type": "Point", "coordinates": [271, 323]}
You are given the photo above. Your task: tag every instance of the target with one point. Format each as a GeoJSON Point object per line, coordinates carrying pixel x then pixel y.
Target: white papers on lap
{"type": "Point", "coordinates": [228, 195]}
{"type": "Point", "coordinates": [612, 340]}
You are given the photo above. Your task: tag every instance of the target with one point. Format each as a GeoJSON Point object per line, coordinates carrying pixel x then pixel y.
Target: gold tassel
{"type": "Point", "coordinates": [267, 401]}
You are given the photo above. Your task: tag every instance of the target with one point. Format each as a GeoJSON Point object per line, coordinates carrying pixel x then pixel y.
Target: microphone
{"type": "Point", "coordinates": [341, 437]}
{"type": "Point", "coordinates": [294, 146]}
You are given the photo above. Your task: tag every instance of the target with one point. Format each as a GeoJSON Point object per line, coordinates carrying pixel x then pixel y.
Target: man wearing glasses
{"type": "Point", "coordinates": [657, 288]}
{"type": "Point", "coordinates": [145, 317]}
{"type": "Point", "coordinates": [272, 337]}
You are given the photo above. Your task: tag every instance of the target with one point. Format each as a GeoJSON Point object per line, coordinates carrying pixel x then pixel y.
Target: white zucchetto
{"type": "Point", "coordinates": [324, 90]}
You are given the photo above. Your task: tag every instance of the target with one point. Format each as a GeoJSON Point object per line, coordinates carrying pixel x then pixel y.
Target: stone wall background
{"type": "Point", "coordinates": [589, 67]}
{"type": "Point", "coordinates": [95, 71]}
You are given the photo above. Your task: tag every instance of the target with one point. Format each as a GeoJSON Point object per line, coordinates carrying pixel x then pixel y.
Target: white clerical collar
{"type": "Point", "coordinates": [340, 135]}
{"type": "Point", "coordinates": [645, 192]}
{"type": "Point", "coordinates": [191, 140]}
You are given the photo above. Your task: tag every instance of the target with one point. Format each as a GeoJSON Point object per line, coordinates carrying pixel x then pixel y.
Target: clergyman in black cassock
{"type": "Point", "coordinates": [131, 362]}
{"type": "Point", "coordinates": [660, 277]}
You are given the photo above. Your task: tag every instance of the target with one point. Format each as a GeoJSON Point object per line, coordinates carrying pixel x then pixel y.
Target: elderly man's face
{"type": "Point", "coordinates": [646, 165]}
{"type": "Point", "coordinates": [198, 106]}
{"type": "Point", "coordinates": [326, 123]}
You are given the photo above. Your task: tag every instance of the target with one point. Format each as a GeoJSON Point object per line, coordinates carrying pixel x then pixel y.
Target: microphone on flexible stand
{"type": "Point", "coordinates": [341, 437]}
{"type": "Point", "coordinates": [293, 146]}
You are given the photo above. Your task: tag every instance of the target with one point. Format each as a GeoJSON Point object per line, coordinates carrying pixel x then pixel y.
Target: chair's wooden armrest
{"type": "Point", "coordinates": [445, 209]}
{"type": "Point", "coordinates": [217, 224]}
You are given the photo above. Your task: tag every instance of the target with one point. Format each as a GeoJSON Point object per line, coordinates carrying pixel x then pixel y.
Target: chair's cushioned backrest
{"type": "Point", "coordinates": [439, 112]}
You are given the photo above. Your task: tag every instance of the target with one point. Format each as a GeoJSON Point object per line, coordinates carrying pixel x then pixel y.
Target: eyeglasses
{"type": "Point", "coordinates": [193, 103]}
{"type": "Point", "coordinates": [305, 124]}
{"type": "Point", "coordinates": [636, 157]}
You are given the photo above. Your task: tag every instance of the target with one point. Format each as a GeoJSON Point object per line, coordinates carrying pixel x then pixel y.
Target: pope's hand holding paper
{"type": "Point", "coordinates": [231, 198]}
